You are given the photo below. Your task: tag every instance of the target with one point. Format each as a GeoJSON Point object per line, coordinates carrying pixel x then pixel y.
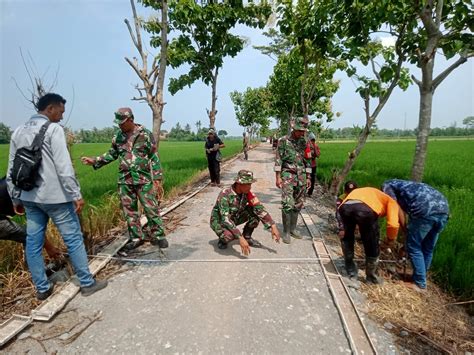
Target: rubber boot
{"type": "Point", "coordinates": [351, 267]}
{"type": "Point", "coordinates": [371, 266]}
{"type": "Point", "coordinates": [247, 233]}
{"type": "Point", "coordinates": [285, 217]}
{"type": "Point", "coordinates": [293, 223]}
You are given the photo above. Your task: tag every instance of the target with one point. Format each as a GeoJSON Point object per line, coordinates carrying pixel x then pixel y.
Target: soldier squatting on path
{"type": "Point", "coordinates": [235, 205]}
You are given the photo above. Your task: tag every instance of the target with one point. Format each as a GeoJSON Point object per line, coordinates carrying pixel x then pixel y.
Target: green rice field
{"type": "Point", "coordinates": [180, 161]}
{"type": "Point", "coordinates": [449, 168]}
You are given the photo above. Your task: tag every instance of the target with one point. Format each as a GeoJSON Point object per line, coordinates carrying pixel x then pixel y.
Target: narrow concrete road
{"type": "Point", "coordinates": [206, 306]}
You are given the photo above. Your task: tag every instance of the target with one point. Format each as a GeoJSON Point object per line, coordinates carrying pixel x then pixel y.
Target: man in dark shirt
{"type": "Point", "coordinates": [213, 145]}
{"type": "Point", "coordinates": [428, 212]}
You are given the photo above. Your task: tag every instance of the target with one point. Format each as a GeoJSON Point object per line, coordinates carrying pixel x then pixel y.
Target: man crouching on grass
{"type": "Point", "coordinates": [236, 205]}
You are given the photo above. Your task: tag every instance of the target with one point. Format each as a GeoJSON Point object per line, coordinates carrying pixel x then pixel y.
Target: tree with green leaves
{"type": "Point", "coordinates": [205, 39]}
{"type": "Point", "coordinates": [302, 81]}
{"type": "Point", "coordinates": [5, 133]}
{"type": "Point", "coordinates": [468, 122]}
{"type": "Point", "coordinates": [388, 73]}
{"type": "Point", "coordinates": [421, 28]}
{"type": "Point", "coordinates": [251, 109]}
{"type": "Point", "coordinates": [440, 24]}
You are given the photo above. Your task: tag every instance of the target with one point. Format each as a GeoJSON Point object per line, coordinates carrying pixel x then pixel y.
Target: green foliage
{"type": "Point", "coordinates": [95, 135]}
{"type": "Point", "coordinates": [251, 108]}
{"type": "Point", "coordinates": [180, 160]}
{"type": "Point", "coordinates": [5, 134]}
{"type": "Point", "coordinates": [204, 38]}
{"type": "Point", "coordinates": [468, 122]}
{"type": "Point", "coordinates": [453, 262]}
{"type": "Point", "coordinates": [180, 134]}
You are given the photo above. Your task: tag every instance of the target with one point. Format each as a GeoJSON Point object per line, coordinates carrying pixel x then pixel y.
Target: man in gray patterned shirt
{"type": "Point", "coordinates": [57, 196]}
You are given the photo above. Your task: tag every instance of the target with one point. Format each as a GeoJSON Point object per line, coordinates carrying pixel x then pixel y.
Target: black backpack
{"type": "Point", "coordinates": [27, 162]}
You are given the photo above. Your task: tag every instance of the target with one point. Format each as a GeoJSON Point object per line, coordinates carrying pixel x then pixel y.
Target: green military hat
{"type": "Point", "coordinates": [300, 124]}
{"type": "Point", "coordinates": [245, 177]}
{"type": "Point", "coordinates": [123, 114]}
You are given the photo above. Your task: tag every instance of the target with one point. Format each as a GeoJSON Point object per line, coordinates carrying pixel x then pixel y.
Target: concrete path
{"type": "Point", "coordinates": [206, 307]}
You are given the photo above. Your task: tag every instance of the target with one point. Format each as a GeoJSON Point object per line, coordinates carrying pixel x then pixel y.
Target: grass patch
{"type": "Point", "coordinates": [449, 169]}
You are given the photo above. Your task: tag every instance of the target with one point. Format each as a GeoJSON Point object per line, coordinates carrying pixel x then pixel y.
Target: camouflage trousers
{"type": "Point", "coordinates": [293, 191]}
{"type": "Point", "coordinates": [225, 232]}
{"type": "Point", "coordinates": [129, 197]}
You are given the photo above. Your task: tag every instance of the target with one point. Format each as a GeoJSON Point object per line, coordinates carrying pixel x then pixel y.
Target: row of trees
{"type": "Point", "coordinates": [314, 38]}
{"type": "Point", "coordinates": [186, 134]}
{"type": "Point", "coordinates": [104, 135]}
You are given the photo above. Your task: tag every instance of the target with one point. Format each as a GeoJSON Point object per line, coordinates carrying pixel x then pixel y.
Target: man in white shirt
{"type": "Point", "coordinates": [56, 196]}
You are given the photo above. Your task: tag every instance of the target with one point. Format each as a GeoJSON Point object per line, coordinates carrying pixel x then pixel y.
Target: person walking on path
{"type": "Point", "coordinates": [212, 146]}
{"type": "Point", "coordinates": [292, 172]}
{"type": "Point", "coordinates": [246, 146]}
{"type": "Point", "coordinates": [57, 196]}
{"type": "Point", "coordinates": [428, 213]}
{"type": "Point", "coordinates": [139, 178]}
{"type": "Point", "coordinates": [314, 153]}
{"type": "Point", "coordinates": [236, 205]}
{"type": "Point", "coordinates": [363, 207]}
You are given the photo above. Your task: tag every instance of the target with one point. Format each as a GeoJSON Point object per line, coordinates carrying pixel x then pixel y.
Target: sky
{"type": "Point", "coordinates": [85, 42]}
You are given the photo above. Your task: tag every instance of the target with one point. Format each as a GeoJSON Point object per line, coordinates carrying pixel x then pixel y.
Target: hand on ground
{"type": "Point", "coordinates": [244, 245]}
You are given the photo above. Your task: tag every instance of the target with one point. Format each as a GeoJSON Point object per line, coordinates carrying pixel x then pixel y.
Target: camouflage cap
{"type": "Point", "coordinates": [300, 124]}
{"type": "Point", "coordinates": [245, 177]}
{"type": "Point", "coordinates": [123, 114]}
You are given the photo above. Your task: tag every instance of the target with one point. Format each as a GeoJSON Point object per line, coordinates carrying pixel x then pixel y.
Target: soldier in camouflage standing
{"type": "Point", "coordinates": [236, 205]}
{"type": "Point", "coordinates": [139, 177]}
{"type": "Point", "coordinates": [293, 176]}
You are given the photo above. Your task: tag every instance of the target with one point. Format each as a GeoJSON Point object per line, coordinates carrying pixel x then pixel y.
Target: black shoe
{"type": "Point", "coordinates": [44, 295]}
{"type": "Point", "coordinates": [96, 286]}
{"type": "Point", "coordinates": [253, 243]}
{"type": "Point", "coordinates": [162, 243]}
{"type": "Point", "coordinates": [221, 244]}
{"type": "Point", "coordinates": [133, 244]}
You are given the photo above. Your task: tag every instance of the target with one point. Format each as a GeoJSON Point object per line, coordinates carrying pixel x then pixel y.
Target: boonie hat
{"type": "Point", "coordinates": [300, 124]}
{"type": "Point", "coordinates": [211, 131]}
{"type": "Point", "coordinates": [245, 177]}
{"type": "Point", "coordinates": [123, 114]}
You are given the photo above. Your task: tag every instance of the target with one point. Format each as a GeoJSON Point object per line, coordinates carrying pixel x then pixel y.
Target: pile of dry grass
{"type": "Point", "coordinates": [433, 314]}
{"type": "Point", "coordinates": [17, 294]}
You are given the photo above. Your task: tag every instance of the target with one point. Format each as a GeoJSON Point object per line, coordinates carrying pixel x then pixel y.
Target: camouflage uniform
{"type": "Point", "coordinates": [293, 168]}
{"type": "Point", "coordinates": [232, 209]}
{"type": "Point", "coordinates": [139, 165]}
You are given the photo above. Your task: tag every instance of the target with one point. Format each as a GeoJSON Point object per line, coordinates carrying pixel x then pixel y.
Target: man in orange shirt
{"type": "Point", "coordinates": [363, 207]}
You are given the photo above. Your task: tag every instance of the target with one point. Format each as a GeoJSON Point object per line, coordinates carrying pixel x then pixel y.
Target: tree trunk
{"type": "Point", "coordinates": [213, 112]}
{"type": "Point", "coordinates": [157, 110]}
{"type": "Point", "coordinates": [339, 178]}
{"type": "Point", "coordinates": [424, 120]}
